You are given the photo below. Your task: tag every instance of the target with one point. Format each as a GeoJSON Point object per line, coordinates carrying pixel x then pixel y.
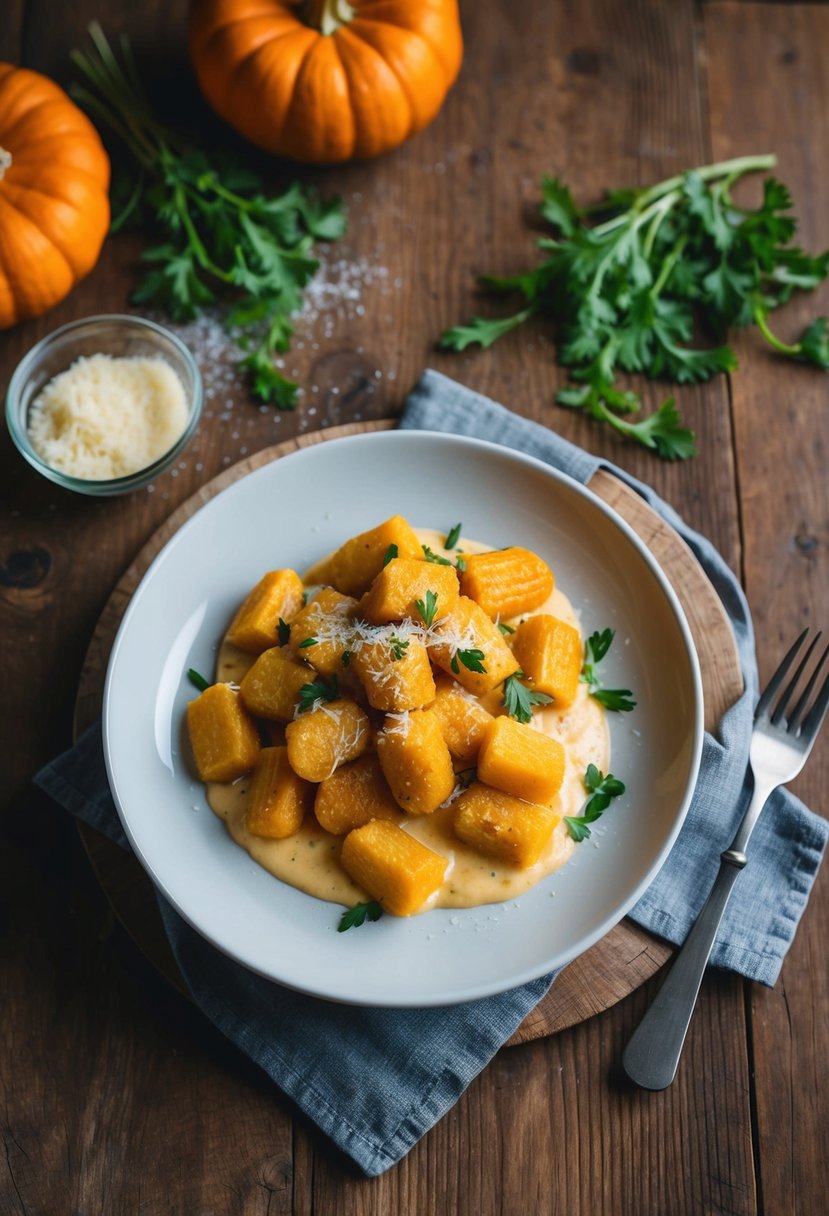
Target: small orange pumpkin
{"type": "Point", "coordinates": [54, 200]}
{"type": "Point", "coordinates": [326, 80]}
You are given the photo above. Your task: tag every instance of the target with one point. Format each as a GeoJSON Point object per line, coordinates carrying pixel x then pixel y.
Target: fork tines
{"type": "Point", "coordinates": [797, 719]}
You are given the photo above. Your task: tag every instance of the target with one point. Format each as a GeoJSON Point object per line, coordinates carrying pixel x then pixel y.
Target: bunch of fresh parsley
{"type": "Point", "coordinates": [221, 240]}
{"type": "Point", "coordinates": [631, 292]}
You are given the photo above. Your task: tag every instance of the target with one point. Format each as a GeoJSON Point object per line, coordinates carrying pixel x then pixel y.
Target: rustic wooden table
{"type": "Point", "coordinates": [118, 1096]}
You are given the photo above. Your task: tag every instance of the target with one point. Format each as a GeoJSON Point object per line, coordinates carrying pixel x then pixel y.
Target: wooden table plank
{"type": "Point", "coordinates": [769, 90]}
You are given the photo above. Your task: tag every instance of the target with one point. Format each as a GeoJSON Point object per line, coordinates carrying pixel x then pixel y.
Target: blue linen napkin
{"type": "Point", "coordinates": [377, 1079]}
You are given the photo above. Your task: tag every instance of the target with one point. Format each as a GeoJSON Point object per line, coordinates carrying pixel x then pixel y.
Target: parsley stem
{"type": "Point", "coordinates": [668, 265]}
{"type": "Point", "coordinates": [760, 320]}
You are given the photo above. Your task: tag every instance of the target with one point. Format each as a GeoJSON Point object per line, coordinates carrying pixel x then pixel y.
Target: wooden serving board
{"type": "Point", "coordinates": [628, 955]}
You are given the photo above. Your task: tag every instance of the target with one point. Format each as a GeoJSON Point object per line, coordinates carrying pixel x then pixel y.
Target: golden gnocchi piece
{"type": "Point", "coordinates": [271, 687]}
{"type": "Point", "coordinates": [321, 631]}
{"type": "Point", "coordinates": [354, 795]}
{"type": "Point", "coordinates": [395, 672]}
{"type": "Point", "coordinates": [223, 737]}
{"type": "Point", "coordinates": [521, 761]}
{"type": "Point", "coordinates": [396, 870]}
{"type": "Point", "coordinates": [502, 826]}
{"type": "Point", "coordinates": [255, 626]}
{"type": "Point", "coordinates": [507, 582]}
{"type": "Point", "coordinates": [465, 631]}
{"type": "Point", "coordinates": [550, 654]}
{"type": "Point", "coordinates": [354, 565]}
{"type": "Point", "coordinates": [394, 593]}
{"type": "Point", "coordinates": [462, 718]}
{"type": "Point", "coordinates": [278, 799]}
{"type": "Point", "coordinates": [320, 740]}
{"type": "Point", "coordinates": [416, 761]}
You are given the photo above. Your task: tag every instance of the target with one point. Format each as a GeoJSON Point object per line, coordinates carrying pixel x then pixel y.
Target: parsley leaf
{"type": "Point", "coordinates": [453, 537]}
{"type": "Point", "coordinates": [220, 240]}
{"type": "Point", "coordinates": [602, 790]}
{"type": "Point", "coordinates": [283, 632]}
{"type": "Point", "coordinates": [430, 556]}
{"type": "Point", "coordinates": [390, 554]}
{"type": "Point", "coordinates": [306, 642]}
{"type": "Point", "coordinates": [352, 918]}
{"type": "Point", "coordinates": [629, 283]}
{"type": "Point", "coordinates": [519, 699]}
{"type": "Point", "coordinates": [318, 690]}
{"type": "Point", "coordinates": [428, 608]}
{"type": "Point", "coordinates": [197, 680]}
{"type": "Point", "coordinates": [618, 699]}
{"type": "Point", "coordinates": [398, 648]}
{"type": "Point", "coordinates": [473, 660]}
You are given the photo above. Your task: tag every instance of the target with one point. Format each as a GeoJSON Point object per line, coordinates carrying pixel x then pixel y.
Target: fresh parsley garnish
{"type": "Point", "coordinates": [460, 563]}
{"type": "Point", "coordinates": [283, 632]}
{"type": "Point", "coordinates": [318, 690]}
{"type": "Point", "coordinates": [197, 680]}
{"type": "Point", "coordinates": [427, 608]}
{"type": "Point", "coordinates": [346, 657]}
{"type": "Point", "coordinates": [352, 918]}
{"type": "Point", "coordinates": [602, 790]}
{"type": "Point", "coordinates": [473, 660]}
{"type": "Point", "coordinates": [506, 629]}
{"type": "Point", "coordinates": [453, 537]}
{"type": "Point", "coordinates": [390, 554]}
{"type": "Point", "coordinates": [430, 556]}
{"type": "Point", "coordinates": [628, 293]}
{"type": "Point", "coordinates": [519, 699]}
{"type": "Point", "coordinates": [618, 699]}
{"type": "Point", "coordinates": [398, 648]}
{"type": "Point", "coordinates": [306, 642]}
{"type": "Point", "coordinates": [218, 239]}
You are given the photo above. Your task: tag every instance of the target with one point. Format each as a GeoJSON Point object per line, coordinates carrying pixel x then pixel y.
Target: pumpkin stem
{"type": "Point", "coordinates": [327, 15]}
{"type": "Point", "coordinates": [5, 162]}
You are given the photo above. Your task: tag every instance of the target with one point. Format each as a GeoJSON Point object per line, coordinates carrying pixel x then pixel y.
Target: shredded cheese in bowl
{"type": "Point", "coordinates": [107, 417]}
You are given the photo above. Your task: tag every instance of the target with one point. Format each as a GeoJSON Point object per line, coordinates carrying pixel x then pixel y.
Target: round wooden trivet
{"type": "Point", "coordinates": [614, 967]}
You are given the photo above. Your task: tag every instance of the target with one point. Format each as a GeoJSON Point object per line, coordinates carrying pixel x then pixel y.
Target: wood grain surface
{"type": "Point", "coordinates": [616, 965]}
{"type": "Point", "coordinates": [118, 1098]}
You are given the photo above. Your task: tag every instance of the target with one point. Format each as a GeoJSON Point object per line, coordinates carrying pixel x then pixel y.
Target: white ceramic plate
{"type": "Point", "coordinates": [291, 513]}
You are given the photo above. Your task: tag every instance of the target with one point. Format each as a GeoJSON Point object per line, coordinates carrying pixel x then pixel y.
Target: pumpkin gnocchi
{"type": "Point", "coordinates": [363, 745]}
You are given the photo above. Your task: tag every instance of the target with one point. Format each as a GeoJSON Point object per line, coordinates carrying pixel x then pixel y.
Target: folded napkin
{"type": "Point", "coordinates": [375, 1080]}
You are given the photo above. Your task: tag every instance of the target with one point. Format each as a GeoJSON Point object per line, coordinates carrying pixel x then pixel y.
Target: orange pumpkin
{"type": "Point", "coordinates": [326, 80]}
{"type": "Point", "coordinates": [54, 201]}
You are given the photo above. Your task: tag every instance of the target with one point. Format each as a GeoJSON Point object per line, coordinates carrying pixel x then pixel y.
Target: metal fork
{"type": "Point", "coordinates": [777, 752]}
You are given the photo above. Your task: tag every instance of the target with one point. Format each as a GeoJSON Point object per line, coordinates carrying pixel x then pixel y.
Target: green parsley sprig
{"type": "Point", "coordinates": [473, 660]}
{"type": "Point", "coordinates": [602, 790]}
{"type": "Point", "coordinates": [221, 240]}
{"type": "Point", "coordinates": [519, 700]}
{"type": "Point", "coordinates": [197, 679]}
{"type": "Point", "coordinates": [618, 699]}
{"type": "Point", "coordinates": [318, 690]}
{"type": "Point", "coordinates": [427, 608]}
{"type": "Point", "coordinates": [352, 918]}
{"type": "Point", "coordinates": [629, 293]}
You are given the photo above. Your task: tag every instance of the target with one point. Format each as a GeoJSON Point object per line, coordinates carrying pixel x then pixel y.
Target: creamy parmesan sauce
{"type": "Point", "coordinates": [310, 859]}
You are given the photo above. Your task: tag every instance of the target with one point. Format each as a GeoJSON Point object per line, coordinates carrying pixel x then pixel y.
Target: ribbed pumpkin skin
{"type": "Point", "coordinates": [54, 197]}
{"type": "Point", "coordinates": [353, 94]}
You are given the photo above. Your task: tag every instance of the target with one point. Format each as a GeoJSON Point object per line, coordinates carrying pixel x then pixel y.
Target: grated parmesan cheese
{"type": "Point", "coordinates": [107, 417]}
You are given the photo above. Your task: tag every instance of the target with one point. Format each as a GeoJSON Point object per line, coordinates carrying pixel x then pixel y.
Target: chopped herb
{"type": "Point", "coordinates": [398, 648]}
{"type": "Point", "coordinates": [629, 282]}
{"type": "Point", "coordinates": [453, 537]}
{"type": "Point", "coordinates": [431, 556]}
{"type": "Point", "coordinates": [346, 657]}
{"type": "Point", "coordinates": [428, 609]}
{"type": "Point", "coordinates": [390, 554]}
{"type": "Point", "coordinates": [473, 660]}
{"type": "Point", "coordinates": [505, 629]}
{"type": "Point", "coordinates": [283, 632]}
{"type": "Point", "coordinates": [352, 918]}
{"type": "Point", "coordinates": [519, 699]}
{"type": "Point", "coordinates": [197, 680]}
{"type": "Point", "coordinates": [602, 790]}
{"type": "Point", "coordinates": [306, 642]}
{"type": "Point", "coordinates": [319, 690]}
{"type": "Point", "coordinates": [460, 564]}
{"type": "Point", "coordinates": [620, 700]}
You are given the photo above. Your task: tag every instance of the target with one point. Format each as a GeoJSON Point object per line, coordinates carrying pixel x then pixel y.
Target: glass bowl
{"type": "Point", "coordinates": [119, 336]}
